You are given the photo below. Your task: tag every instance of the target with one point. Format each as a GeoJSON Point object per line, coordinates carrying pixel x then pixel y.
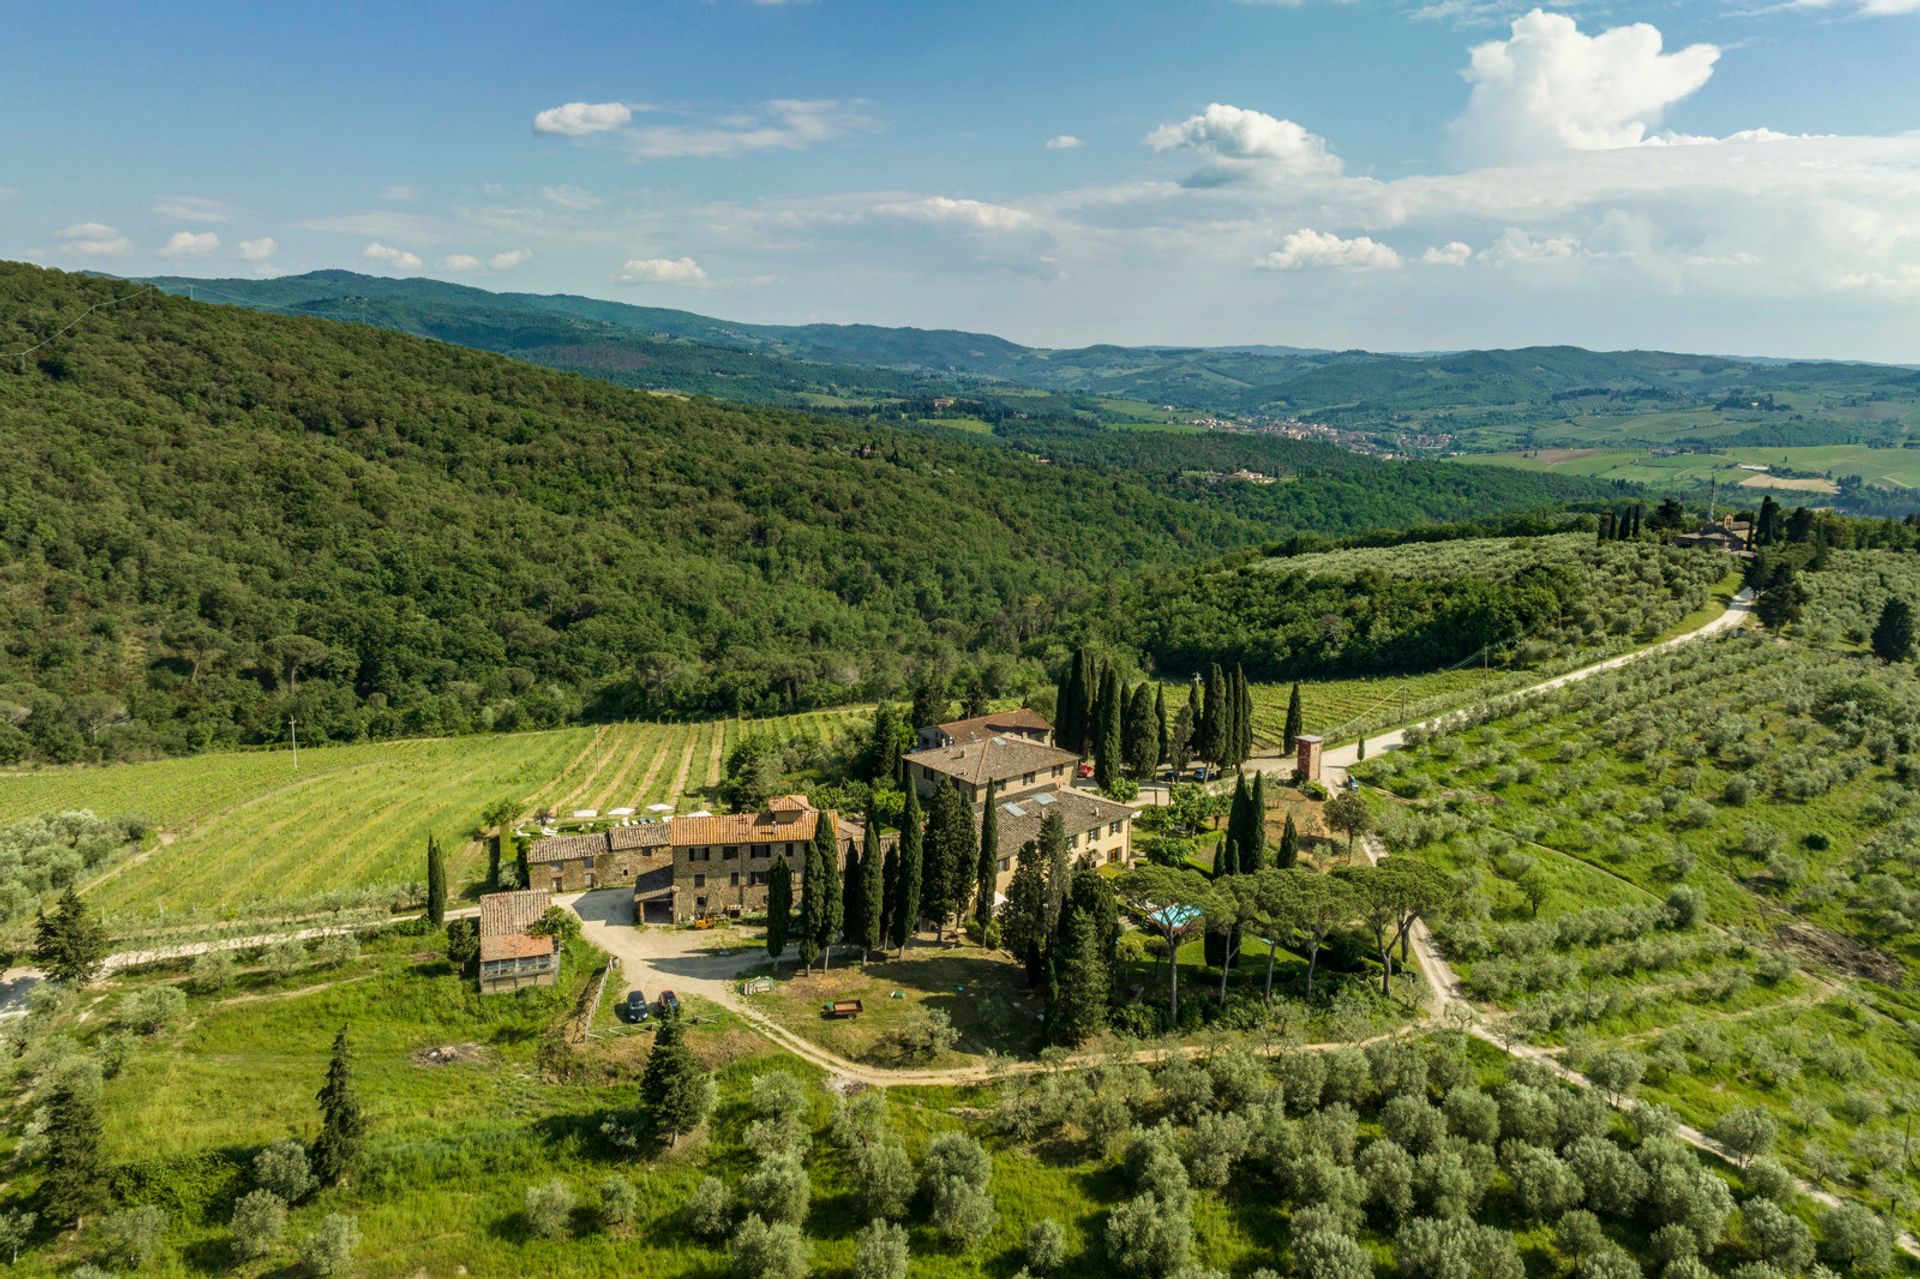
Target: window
{"type": "Point", "coordinates": [1113, 855]}
{"type": "Point", "coordinates": [1003, 864]}
{"type": "Point", "coordinates": [729, 853]}
{"type": "Point", "coordinates": [699, 854]}
{"type": "Point", "coordinates": [734, 879]}
{"type": "Point", "coordinates": [1073, 841]}
{"type": "Point", "coordinates": [589, 863]}
{"type": "Point", "coordinates": [755, 878]}
{"type": "Point", "coordinates": [1113, 828]}
{"type": "Point", "coordinates": [1027, 780]}
{"type": "Point", "coordinates": [700, 881]}
{"type": "Point", "coordinates": [700, 903]}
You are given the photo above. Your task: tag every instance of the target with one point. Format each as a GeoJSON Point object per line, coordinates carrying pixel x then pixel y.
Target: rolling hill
{"type": "Point", "coordinates": [213, 519]}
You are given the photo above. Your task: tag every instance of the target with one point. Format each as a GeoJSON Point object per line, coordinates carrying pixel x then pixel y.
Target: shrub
{"type": "Point", "coordinates": [886, 1179]}
{"type": "Point", "coordinates": [329, 1250]}
{"type": "Point", "coordinates": [212, 972]}
{"type": "Point", "coordinates": [778, 1189]}
{"type": "Point", "coordinates": [1747, 1132]}
{"type": "Point", "coordinates": [1046, 1246]}
{"type": "Point", "coordinates": [259, 1222]}
{"type": "Point", "coordinates": [1854, 1240]}
{"type": "Point", "coordinates": [1148, 1237]}
{"type": "Point", "coordinates": [132, 1236]}
{"type": "Point", "coordinates": [880, 1251]}
{"type": "Point", "coordinates": [285, 958]}
{"type": "Point", "coordinates": [337, 949]}
{"type": "Point", "coordinates": [550, 1208]}
{"type": "Point", "coordinates": [146, 1012]}
{"type": "Point", "coordinates": [710, 1209]}
{"type": "Point", "coordinates": [619, 1201]}
{"type": "Point", "coordinates": [762, 1251]}
{"type": "Point", "coordinates": [923, 1034]}
{"type": "Point", "coordinates": [955, 1174]}
{"type": "Point", "coordinates": [283, 1168]}
{"type": "Point", "coordinates": [1431, 1248]}
{"type": "Point", "coordinates": [1327, 1254]}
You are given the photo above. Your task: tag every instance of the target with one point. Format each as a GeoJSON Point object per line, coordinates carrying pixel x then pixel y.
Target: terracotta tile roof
{"type": "Point", "coordinates": [1020, 720]}
{"type": "Point", "coordinates": [638, 835]}
{"type": "Point", "coordinates": [1020, 817]}
{"type": "Point", "coordinates": [993, 759]}
{"type": "Point", "coordinates": [743, 828]}
{"type": "Point", "coordinates": [503, 925]}
{"type": "Point", "coordinates": [565, 848]}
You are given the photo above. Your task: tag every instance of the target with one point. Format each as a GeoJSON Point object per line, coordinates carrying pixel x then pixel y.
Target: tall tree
{"type": "Point", "coordinates": [1062, 700]}
{"type": "Point", "coordinates": [1253, 835]}
{"type": "Point", "coordinates": [1023, 916]}
{"type": "Point", "coordinates": [1140, 739]}
{"type": "Point", "coordinates": [912, 874]}
{"type": "Point", "coordinates": [852, 885]}
{"type": "Point", "coordinates": [1893, 633]}
{"type": "Point", "coordinates": [1289, 853]}
{"type": "Point", "coordinates": [930, 700]}
{"type": "Point", "coordinates": [70, 945]}
{"type": "Point", "coordinates": [819, 892]}
{"type": "Point", "coordinates": [986, 862]}
{"type": "Point", "coordinates": [1227, 862]}
{"type": "Point", "coordinates": [1242, 717]}
{"type": "Point", "coordinates": [1290, 737]}
{"type": "Point", "coordinates": [1163, 730]}
{"type": "Point", "coordinates": [891, 736]}
{"type": "Point", "coordinates": [950, 850]}
{"type": "Point", "coordinates": [1171, 902]}
{"type": "Point", "coordinates": [873, 888]}
{"type": "Point", "coordinates": [1053, 855]}
{"type": "Point", "coordinates": [343, 1122]}
{"type": "Point", "coordinates": [1108, 751]}
{"type": "Point", "coordinates": [1767, 529]}
{"type": "Point", "coordinates": [1078, 1009]}
{"type": "Point", "coordinates": [75, 1183]}
{"type": "Point", "coordinates": [1072, 717]}
{"type": "Point", "coordinates": [1209, 738]}
{"type": "Point", "coordinates": [779, 905]}
{"type": "Point", "coordinates": [676, 1090]}
{"type": "Point", "coordinates": [436, 883]}
{"type": "Point", "coordinates": [1180, 738]}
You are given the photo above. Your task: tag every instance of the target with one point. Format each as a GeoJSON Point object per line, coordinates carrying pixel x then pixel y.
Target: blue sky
{"type": "Point", "coordinates": [1717, 175]}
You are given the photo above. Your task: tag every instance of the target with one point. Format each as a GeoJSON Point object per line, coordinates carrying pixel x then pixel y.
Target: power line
{"type": "Point", "coordinates": [151, 288]}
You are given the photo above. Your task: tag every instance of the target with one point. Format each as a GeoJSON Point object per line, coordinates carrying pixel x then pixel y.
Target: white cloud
{"type": "Point", "coordinates": [189, 244]}
{"type": "Point", "coordinates": [1452, 253]}
{"type": "Point", "coordinates": [398, 258]}
{"type": "Point", "coordinates": [258, 250]}
{"type": "Point", "coordinates": [508, 260]}
{"type": "Point", "coordinates": [458, 262]}
{"type": "Point", "coordinates": [402, 192]}
{"type": "Point", "coordinates": [1516, 247]}
{"type": "Point", "coordinates": [568, 197]}
{"type": "Point", "coordinates": [577, 119]}
{"type": "Point", "coordinates": [780, 124]}
{"type": "Point", "coordinates": [973, 214]}
{"type": "Point", "coordinates": [1064, 142]}
{"type": "Point", "coordinates": [660, 271]}
{"type": "Point", "coordinates": [1245, 143]}
{"type": "Point", "coordinates": [95, 240]}
{"type": "Point", "coordinates": [1868, 8]}
{"type": "Point", "coordinates": [192, 208]}
{"type": "Point", "coordinates": [1306, 249]}
{"type": "Point", "coordinates": [1549, 87]}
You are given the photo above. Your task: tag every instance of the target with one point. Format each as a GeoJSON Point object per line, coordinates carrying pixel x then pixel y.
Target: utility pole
{"type": "Point", "coordinates": [294, 736]}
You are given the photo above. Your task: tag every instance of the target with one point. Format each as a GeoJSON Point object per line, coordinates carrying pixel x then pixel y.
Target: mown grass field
{"type": "Point", "coordinates": [244, 828]}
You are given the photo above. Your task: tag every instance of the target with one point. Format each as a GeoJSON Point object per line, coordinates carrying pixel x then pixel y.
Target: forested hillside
{"type": "Point", "coordinates": [212, 520]}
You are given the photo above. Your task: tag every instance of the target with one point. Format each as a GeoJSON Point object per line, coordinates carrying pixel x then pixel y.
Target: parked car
{"type": "Point", "coordinates": [637, 1009]}
{"type": "Point", "coordinates": [669, 1002]}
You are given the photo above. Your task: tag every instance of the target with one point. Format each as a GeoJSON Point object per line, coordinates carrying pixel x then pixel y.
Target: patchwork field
{"type": "Point", "coordinates": [1893, 467]}
{"type": "Point", "coordinates": [238, 830]}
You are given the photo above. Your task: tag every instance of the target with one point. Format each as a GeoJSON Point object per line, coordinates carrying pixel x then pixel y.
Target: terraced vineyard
{"type": "Point", "coordinates": [242, 829]}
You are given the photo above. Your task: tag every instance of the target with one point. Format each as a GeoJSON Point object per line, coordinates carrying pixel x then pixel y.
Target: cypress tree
{"type": "Point", "coordinates": [1053, 855]}
{"type": "Point", "coordinates": [1227, 861]}
{"type": "Point", "coordinates": [1071, 730]}
{"type": "Point", "coordinates": [820, 892]}
{"type": "Point", "coordinates": [436, 883]}
{"type": "Point", "coordinates": [1108, 752]}
{"type": "Point", "coordinates": [906, 901]}
{"type": "Point", "coordinates": [987, 864]}
{"type": "Point", "coordinates": [70, 945]}
{"type": "Point", "coordinates": [1893, 633]}
{"type": "Point", "coordinates": [1604, 531]}
{"type": "Point", "coordinates": [873, 888]}
{"type": "Point", "coordinates": [1253, 836]}
{"type": "Point", "coordinates": [1023, 919]}
{"type": "Point", "coordinates": [76, 1171]}
{"type": "Point", "coordinates": [779, 905]}
{"type": "Point", "coordinates": [852, 881]}
{"type": "Point", "coordinates": [1210, 739]}
{"type": "Point", "coordinates": [676, 1090]}
{"type": "Point", "coordinates": [1289, 853]}
{"type": "Point", "coordinates": [1163, 731]}
{"type": "Point", "coordinates": [1078, 1009]}
{"type": "Point", "coordinates": [1242, 717]}
{"type": "Point", "coordinates": [1290, 738]}
{"type": "Point", "coordinates": [343, 1124]}
{"type": "Point", "coordinates": [951, 851]}
{"type": "Point", "coordinates": [1140, 738]}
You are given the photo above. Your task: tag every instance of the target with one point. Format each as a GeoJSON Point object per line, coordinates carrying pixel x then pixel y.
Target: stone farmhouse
{"type": "Point", "coordinates": [1014, 765]}
{"type": "Point", "coordinates": [510, 956]}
